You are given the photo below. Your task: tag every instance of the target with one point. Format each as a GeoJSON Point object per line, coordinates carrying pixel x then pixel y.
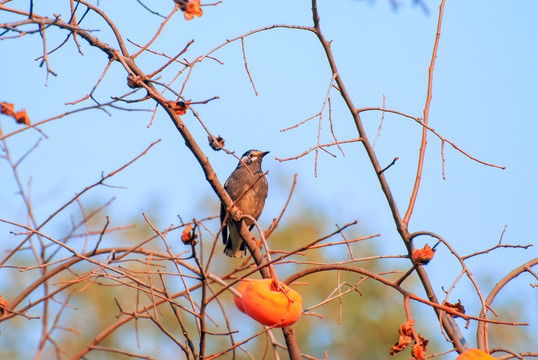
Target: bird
{"type": "Point", "coordinates": [247, 187]}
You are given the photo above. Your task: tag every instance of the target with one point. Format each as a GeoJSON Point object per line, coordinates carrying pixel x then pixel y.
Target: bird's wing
{"type": "Point", "coordinates": [237, 182]}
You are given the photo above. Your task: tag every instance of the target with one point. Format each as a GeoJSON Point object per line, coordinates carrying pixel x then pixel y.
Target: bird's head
{"type": "Point", "coordinates": [253, 156]}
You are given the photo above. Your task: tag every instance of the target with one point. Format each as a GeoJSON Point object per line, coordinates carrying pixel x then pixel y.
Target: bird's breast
{"type": "Point", "coordinates": [253, 200]}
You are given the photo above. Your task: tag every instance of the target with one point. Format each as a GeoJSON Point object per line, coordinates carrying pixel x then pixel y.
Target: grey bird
{"type": "Point", "coordinates": [248, 191]}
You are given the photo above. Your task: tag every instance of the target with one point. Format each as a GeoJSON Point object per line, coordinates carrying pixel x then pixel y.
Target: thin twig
{"type": "Point", "coordinates": [246, 65]}
{"type": "Point", "coordinates": [422, 151]}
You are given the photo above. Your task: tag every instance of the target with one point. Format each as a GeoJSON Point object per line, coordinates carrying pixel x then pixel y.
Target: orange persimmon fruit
{"type": "Point", "coordinates": [475, 354]}
{"type": "Point", "coordinates": [240, 289]}
{"type": "Point", "coordinates": [266, 304]}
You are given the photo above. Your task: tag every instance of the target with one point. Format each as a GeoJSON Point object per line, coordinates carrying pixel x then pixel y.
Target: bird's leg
{"type": "Point", "coordinates": [235, 213]}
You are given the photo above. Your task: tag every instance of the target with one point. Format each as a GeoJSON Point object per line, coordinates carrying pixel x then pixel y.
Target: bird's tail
{"type": "Point", "coordinates": [234, 253]}
{"type": "Point", "coordinates": [235, 246]}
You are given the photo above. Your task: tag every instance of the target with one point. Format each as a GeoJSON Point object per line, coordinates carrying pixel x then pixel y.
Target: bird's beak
{"type": "Point", "coordinates": [265, 153]}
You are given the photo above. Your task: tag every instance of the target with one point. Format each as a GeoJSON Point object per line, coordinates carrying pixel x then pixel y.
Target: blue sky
{"type": "Point", "coordinates": [484, 94]}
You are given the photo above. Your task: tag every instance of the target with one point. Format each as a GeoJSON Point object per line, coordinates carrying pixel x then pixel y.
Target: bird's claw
{"type": "Point", "coordinates": [235, 213]}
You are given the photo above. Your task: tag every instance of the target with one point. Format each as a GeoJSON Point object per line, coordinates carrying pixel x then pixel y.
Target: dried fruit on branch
{"type": "Point", "coordinates": [216, 143]}
{"type": "Point", "coordinates": [405, 338]}
{"type": "Point", "coordinates": [179, 107]}
{"type": "Point", "coordinates": [21, 117]}
{"type": "Point", "coordinates": [457, 306]}
{"type": "Point", "coordinates": [190, 8]}
{"type": "Point", "coordinates": [3, 306]}
{"type": "Point", "coordinates": [418, 351]}
{"type": "Point", "coordinates": [475, 354]}
{"type": "Point", "coordinates": [188, 236]}
{"type": "Point", "coordinates": [424, 255]}
{"type": "Point", "coordinates": [266, 304]}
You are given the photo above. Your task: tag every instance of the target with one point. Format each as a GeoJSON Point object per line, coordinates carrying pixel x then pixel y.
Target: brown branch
{"type": "Point", "coordinates": [171, 60]}
{"type": "Point", "coordinates": [322, 147]}
{"type": "Point", "coordinates": [100, 182]}
{"type": "Point", "coordinates": [39, 123]}
{"type": "Point", "coordinates": [433, 131]}
{"type": "Point", "coordinates": [405, 293]}
{"type": "Point", "coordinates": [185, 333]}
{"type": "Point", "coordinates": [358, 122]}
{"type": "Point", "coordinates": [481, 333]}
{"type": "Point", "coordinates": [513, 355]}
{"type": "Point", "coordinates": [246, 65]}
{"type": "Point", "coordinates": [90, 94]}
{"type": "Point", "coordinates": [161, 27]}
{"type": "Point", "coordinates": [420, 165]}
{"type": "Point", "coordinates": [148, 9]}
{"type": "Point", "coordinates": [389, 165]}
{"type": "Point", "coordinates": [275, 223]}
{"type": "Point", "coordinates": [319, 115]}
{"type": "Point", "coordinates": [45, 60]}
{"type": "Point", "coordinates": [498, 246]}
{"type": "Point", "coordinates": [214, 356]}
{"type": "Point", "coordinates": [380, 123]}
{"type": "Point", "coordinates": [111, 24]}
{"type": "Point", "coordinates": [401, 226]}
